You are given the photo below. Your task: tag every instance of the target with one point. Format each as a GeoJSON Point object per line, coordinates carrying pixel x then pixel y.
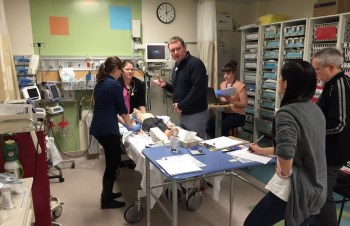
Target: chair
{"type": "Point", "coordinates": [234, 132]}
{"type": "Point", "coordinates": [342, 188]}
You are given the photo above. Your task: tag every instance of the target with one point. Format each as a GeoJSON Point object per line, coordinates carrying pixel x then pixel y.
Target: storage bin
{"type": "Point", "coordinates": [271, 44]}
{"type": "Point", "coordinates": [245, 136]}
{"type": "Point", "coordinates": [293, 54]}
{"type": "Point", "coordinates": [264, 125]}
{"type": "Point", "coordinates": [249, 110]}
{"type": "Point", "coordinates": [270, 64]}
{"type": "Point", "coordinates": [269, 94]}
{"type": "Point", "coordinates": [268, 104]}
{"type": "Point", "coordinates": [271, 55]}
{"type": "Point", "coordinates": [294, 30]}
{"type": "Point", "coordinates": [248, 126]}
{"type": "Point", "coordinates": [268, 85]}
{"type": "Point", "coordinates": [267, 113]}
{"type": "Point", "coordinates": [269, 75]}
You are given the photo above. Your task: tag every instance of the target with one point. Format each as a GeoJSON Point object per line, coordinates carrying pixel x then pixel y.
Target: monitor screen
{"type": "Point", "coordinates": [32, 93]}
{"type": "Point", "coordinates": [156, 53]}
{"type": "Point", "coordinates": [54, 92]}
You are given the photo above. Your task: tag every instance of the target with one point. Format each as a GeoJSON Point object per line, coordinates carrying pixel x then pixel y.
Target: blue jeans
{"type": "Point", "coordinates": [268, 211]}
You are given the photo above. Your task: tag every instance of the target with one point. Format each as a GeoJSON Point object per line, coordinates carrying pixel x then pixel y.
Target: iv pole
{"type": "Point", "coordinates": [39, 45]}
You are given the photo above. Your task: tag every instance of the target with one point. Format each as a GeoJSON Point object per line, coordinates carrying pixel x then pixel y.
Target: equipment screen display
{"type": "Point", "coordinates": [156, 53]}
{"type": "Point", "coordinates": [55, 93]}
{"type": "Point", "coordinates": [33, 94]}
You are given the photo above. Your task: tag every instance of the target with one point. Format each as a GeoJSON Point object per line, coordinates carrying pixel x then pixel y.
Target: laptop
{"type": "Point", "coordinates": [212, 99]}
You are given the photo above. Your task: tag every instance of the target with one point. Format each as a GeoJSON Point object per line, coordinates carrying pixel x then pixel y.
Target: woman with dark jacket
{"type": "Point", "coordinates": [108, 104]}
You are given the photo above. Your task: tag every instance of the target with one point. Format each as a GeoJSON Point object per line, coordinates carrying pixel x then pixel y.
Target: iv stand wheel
{"type": "Point", "coordinates": [56, 207]}
{"type": "Point", "coordinates": [194, 201]}
{"type": "Point", "coordinates": [57, 212]}
{"type": "Point", "coordinates": [134, 213]}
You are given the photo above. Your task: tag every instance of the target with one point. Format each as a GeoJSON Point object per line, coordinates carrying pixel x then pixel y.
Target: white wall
{"type": "Point", "coordinates": [242, 14]}
{"type": "Point", "coordinates": [184, 25]}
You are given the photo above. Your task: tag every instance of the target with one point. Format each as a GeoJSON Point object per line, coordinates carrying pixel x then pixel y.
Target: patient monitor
{"type": "Point", "coordinates": [32, 93]}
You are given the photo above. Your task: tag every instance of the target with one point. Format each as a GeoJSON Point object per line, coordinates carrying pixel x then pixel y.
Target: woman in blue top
{"type": "Point", "coordinates": [108, 104]}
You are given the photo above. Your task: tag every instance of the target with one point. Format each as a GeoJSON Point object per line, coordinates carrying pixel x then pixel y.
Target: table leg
{"type": "Point", "coordinates": [175, 200]}
{"type": "Point", "coordinates": [148, 193]}
{"type": "Point", "coordinates": [218, 122]}
{"type": "Point", "coordinates": [231, 198]}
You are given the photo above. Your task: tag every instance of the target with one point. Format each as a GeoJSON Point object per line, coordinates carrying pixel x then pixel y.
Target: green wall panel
{"type": "Point", "coordinates": [89, 27]}
{"type": "Point", "coordinates": [70, 142]}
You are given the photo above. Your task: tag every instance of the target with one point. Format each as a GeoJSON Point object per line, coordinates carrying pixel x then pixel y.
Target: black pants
{"type": "Point", "coordinates": [154, 122]}
{"type": "Point", "coordinates": [111, 146]}
{"type": "Point", "coordinates": [328, 213]}
{"type": "Point", "coordinates": [268, 211]}
{"type": "Point", "coordinates": [229, 121]}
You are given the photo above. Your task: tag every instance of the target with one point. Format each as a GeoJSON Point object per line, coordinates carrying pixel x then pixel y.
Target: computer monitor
{"type": "Point", "coordinates": [32, 93]}
{"type": "Point", "coordinates": [156, 52]}
{"type": "Point", "coordinates": [52, 93]}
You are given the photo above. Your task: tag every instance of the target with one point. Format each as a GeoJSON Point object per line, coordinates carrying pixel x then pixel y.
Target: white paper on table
{"type": "Point", "coordinates": [222, 142]}
{"type": "Point", "coordinates": [245, 154]}
{"type": "Point", "coordinates": [179, 164]}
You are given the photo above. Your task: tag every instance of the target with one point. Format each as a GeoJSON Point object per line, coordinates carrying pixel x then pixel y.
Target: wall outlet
{"type": "Point", "coordinates": [68, 95]}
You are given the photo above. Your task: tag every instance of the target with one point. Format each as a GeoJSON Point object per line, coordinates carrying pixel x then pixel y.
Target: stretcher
{"type": "Point", "coordinates": [189, 193]}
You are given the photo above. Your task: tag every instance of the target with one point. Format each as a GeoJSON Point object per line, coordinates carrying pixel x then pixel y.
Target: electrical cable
{"type": "Point", "coordinates": [70, 156]}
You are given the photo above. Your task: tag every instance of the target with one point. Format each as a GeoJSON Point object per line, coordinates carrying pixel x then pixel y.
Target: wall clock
{"type": "Point", "coordinates": [166, 13]}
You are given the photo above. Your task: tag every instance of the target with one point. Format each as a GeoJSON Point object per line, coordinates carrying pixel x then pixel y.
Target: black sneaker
{"type": "Point", "coordinates": [111, 204]}
{"type": "Point", "coordinates": [114, 195]}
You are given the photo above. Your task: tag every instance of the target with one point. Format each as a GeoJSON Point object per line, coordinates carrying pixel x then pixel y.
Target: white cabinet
{"type": "Point", "coordinates": [249, 69]}
{"type": "Point", "coordinates": [277, 43]}
{"type": "Point", "coordinates": [23, 214]}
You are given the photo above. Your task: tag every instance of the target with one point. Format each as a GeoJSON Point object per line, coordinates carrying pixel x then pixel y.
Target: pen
{"type": "Point", "coordinates": [258, 140]}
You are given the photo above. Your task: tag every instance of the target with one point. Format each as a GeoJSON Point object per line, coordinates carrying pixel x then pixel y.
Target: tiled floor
{"type": "Point", "coordinates": [80, 193]}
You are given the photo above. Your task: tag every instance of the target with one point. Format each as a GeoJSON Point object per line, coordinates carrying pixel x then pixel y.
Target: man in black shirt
{"type": "Point", "coordinates": [335, 104]}
{"type": "Point", "coordinates": [189, 85]}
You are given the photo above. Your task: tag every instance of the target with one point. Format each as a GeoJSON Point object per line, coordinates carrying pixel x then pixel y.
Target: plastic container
{"type": "Point", "coordinates": [13, 168]}
{"type": "Point", "coordinates": [174, 141]}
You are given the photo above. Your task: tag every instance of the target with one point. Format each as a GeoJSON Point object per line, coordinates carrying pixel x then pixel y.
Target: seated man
{"type": "Point", "coordinates": [148, 121]}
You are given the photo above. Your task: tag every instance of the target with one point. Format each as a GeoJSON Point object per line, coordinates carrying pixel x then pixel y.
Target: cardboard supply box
{"type": "Point", "coordinates": [323, 8]}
